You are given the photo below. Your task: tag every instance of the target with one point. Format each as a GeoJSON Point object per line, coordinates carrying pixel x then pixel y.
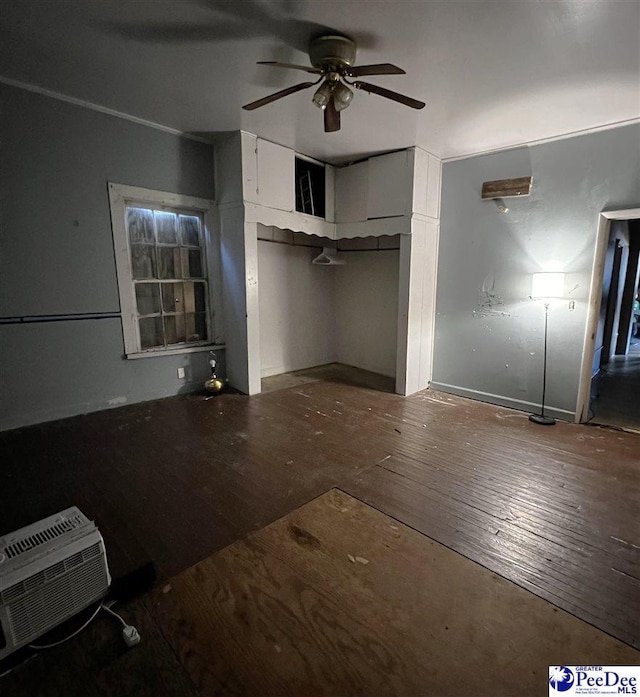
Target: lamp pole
{"type": "Point", "coordinates": [541, 418]}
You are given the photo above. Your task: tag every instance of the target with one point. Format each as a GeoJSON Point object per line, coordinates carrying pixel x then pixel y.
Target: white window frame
{"type": "Point", "coordinates": [121, 196]}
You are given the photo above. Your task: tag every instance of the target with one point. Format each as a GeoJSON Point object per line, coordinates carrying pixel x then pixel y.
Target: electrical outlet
{"type": "Point", "coordinates": [181, 374]}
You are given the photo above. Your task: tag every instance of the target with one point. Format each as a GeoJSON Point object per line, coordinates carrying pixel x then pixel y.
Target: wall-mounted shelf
{"type": "Point", "coordinates": [507, 188]}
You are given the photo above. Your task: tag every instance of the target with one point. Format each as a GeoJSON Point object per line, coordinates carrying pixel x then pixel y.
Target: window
{"type": "Point", "coordinates": [164, 259]}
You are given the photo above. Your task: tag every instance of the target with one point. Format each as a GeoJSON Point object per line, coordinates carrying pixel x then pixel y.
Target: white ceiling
{"type": "Point", "coordinates": [493, 74]}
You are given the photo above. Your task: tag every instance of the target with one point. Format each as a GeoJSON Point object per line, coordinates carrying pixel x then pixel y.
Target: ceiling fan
{"type": "Point", "coordinates": [332, 57]}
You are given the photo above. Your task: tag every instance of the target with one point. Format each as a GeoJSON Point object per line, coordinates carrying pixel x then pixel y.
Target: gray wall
{"type": "Point", "coordinates": [488, 333]}
{"type": "Point", "coordinates": [57, 255]}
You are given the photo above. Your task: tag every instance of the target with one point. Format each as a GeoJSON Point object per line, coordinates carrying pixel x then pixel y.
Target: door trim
{"type": "Point", "coordinates": [593, 310]}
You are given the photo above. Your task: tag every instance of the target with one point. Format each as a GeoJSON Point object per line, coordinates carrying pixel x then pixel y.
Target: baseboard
{"type": "Point", "coordinates": [502, 401]}
{"type": "Point", "coordinates": [66, 411]}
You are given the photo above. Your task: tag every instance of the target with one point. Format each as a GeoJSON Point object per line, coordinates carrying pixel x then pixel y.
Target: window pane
{"type": "Point", "coordinates": [150, 332]}
{"type": "Point", "coordinates": [199, 291]}
{"type": "Point", "coordinates": [166, 227]}
{"type": "Point", "coordinates": [196, 326]}
{"type": "Point", "coordinates": [201, 325]}
{"type": "Point", "coordinates": [189, 298]}
{"type": "Point", "coordinates": [174, 329]}
{"type": "Point", "coordinates": [169, 262]}
{"type": "Point", "coordinates": [190, 230]}
{"type": "Point", "coordinates": [191, 263]}
{"type": "Point", "coordinates": [172, 297]}
{"type": "Point", "coordinates": [147, 298]}
{"type": "Point", "coordinates": [140, 225]}
{"type": "Point", "coordinates": [143, 261]}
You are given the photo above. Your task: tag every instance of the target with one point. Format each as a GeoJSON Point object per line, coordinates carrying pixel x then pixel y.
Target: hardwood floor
{"type": "Point", "coordinates": [334, 599]}
{"type": "Point", "coordinates": [615, 391]}
{"type": "Point", "coordinates": [187, 476]}
{"type": "Point", "coordinates": [552, 509]}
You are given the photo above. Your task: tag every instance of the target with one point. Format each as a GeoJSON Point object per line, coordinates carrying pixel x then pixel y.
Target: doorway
{"type": "Point", "coordinates": [610, 381]}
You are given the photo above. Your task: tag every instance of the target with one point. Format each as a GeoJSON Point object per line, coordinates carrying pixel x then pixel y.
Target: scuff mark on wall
{"type": "Point", "coordinates": [116, 400]}
{"type": "Point", "coordinates": [489, 302]}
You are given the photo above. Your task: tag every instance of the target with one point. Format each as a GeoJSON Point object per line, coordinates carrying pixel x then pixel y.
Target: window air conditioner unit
{"type": "Point", "coordinates": [49, 571]}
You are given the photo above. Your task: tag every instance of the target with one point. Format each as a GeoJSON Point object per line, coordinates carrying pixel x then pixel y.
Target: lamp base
{"type": "Point", "coordinates": [542, 420]}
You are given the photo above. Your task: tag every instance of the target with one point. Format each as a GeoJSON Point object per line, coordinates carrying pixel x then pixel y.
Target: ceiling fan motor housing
{"type": "Point", "coordinates": [336, 51]}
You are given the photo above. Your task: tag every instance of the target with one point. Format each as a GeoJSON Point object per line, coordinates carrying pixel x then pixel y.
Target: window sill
{"type": "Point", "coordinates": [174, 352]}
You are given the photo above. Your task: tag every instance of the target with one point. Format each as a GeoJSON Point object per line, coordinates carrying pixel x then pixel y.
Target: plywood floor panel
{"type": "Point", "coordinates": [339, 599]}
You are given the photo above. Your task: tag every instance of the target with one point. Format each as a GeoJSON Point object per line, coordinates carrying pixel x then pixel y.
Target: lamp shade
{"type": "Point", "coordinates": [547, 285]}
{"type": "Point", "coordinates": [323, 94]}
{"type": "Point", "coordinates": [342, 96]}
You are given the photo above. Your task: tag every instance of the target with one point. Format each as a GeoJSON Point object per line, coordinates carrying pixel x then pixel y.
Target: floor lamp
{"type": "Point", "coordinates": [545, 287]}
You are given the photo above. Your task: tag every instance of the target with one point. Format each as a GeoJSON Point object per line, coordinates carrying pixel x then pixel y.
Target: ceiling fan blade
{"type": "Point", "coordinates": [377, 69]}
{"type": "Point", "coordinates": [277, 95]}
{"type": "Point", "coordinates": [277, 64]}
{"type": "Point", "coordinates": [403, 99]}
{"type": "Point", "coordinates": [331, 118]}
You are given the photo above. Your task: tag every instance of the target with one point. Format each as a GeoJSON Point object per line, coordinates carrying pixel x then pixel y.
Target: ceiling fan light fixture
{"type": "Point", "coordinates": [332, 59]}
{"type": "Point", "coordinates": [323, 94]}
{"type": "Point", "coordinates": [342, 96]}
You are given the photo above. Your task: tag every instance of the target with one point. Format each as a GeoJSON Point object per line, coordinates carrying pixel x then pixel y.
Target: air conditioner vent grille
{"type": "Point", "coordinates": [13, 592]}
{"type": "Point", "coordinates": [34, 581]}
{"type": "Point", "coordinates": [73, 560]}
{"type": "Point", "coordinates": [54, 570]}
{"type": "Point", "coordinates": [31, 582]}
{"type": "Point", "coordinates": [45, 607]}
{"type": "Point", "coordinates": [41, 537]}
